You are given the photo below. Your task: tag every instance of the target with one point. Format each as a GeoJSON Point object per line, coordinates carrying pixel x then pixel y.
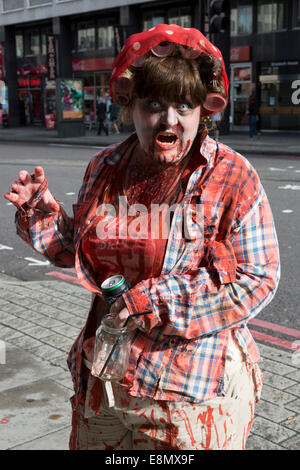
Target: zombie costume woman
{"type": "Point", "coordinates": [193, 378]}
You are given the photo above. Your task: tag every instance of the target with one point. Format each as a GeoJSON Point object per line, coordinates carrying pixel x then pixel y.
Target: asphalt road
{"type": "Point", "coordinates": [65, 167]}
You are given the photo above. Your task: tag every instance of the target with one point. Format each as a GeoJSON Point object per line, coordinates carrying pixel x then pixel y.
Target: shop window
{"type": "Point", "coordinates": [105, 37]}
{"type": "Point", "coordinates": [32, 43]}
{"type": "Point", "coordinates": [241, 17]}
{"type": "Point", "coordinates": [87, 77]}
{"type": "Point", "coordinates": [102, 79]}
{"type": "Point", "coordinates": [85, 36]}
{"type": "Point", "coordinates": [271, 15]}
{"type": "Point", "coordinates": [44, 34]}
{"type": "Point", "coordinates": [152, 19]}
{"type": "Point", "coordinates": [19, 45]}
{"type": "Point", "coordinates": [181, 16]}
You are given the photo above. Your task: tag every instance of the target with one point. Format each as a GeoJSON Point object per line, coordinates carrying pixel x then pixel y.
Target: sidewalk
{"type": "Point", "coordinates": [268, 143]}
{"type": "Point", "coordinates": [38, 323]}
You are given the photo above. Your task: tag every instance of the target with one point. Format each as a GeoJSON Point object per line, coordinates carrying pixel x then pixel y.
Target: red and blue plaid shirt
{"type": "Point", "coordinates": [213, 280]}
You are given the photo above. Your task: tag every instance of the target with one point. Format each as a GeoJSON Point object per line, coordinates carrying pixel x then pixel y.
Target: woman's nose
{"type": "Point", "coordinates": [170, 117]}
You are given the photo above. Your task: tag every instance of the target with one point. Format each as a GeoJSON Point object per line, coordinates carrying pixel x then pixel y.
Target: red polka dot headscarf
{"type": "Point", "coordinates": [159, 40]}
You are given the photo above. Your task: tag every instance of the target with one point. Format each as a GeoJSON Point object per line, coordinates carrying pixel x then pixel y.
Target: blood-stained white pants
{"type": "Point", "coordinates": [222, 423]}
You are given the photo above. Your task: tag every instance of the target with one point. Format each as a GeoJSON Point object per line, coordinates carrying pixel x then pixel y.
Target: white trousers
{"type": "Point", "coordinates": [222, 423]}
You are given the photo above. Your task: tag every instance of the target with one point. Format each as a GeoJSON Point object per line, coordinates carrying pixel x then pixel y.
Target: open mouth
{"type": "Point", "coordinates": [166, 139]}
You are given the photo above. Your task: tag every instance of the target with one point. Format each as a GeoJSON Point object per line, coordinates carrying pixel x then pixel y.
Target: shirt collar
{"type": "Point", "coordinates": [208, 149]}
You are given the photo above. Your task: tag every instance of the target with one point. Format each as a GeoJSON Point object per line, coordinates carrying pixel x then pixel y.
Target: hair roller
{"type": "Point", "coordinates": [163, 49]}
{"type": "Point", "coordinates": [188, 52]}
{"type": "Point", "coordinates": [215, 102]}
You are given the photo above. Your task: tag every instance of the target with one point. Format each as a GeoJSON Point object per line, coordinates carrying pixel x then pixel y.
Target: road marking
{"type": "Point", "coordinates": [70, 194]}
{"type": "Point", "coordinates": [283, 343]}
{"type": "Point", "coordinates": [287, 211]}
{"type": "Point", "coordinates": [77, 146]}
{"type": "Point", "coordinates": [277, 169]}
{"type": "Point", "coordinates": [4, 247]}
{"type": "Point", "coordinates": [36, 262]}
{"type": "Point", "coordinates": [273, 326]}
{"type": "Point", "coordinates": [294, 187]}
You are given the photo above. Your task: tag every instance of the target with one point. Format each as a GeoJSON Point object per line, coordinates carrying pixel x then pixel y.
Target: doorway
{"type": "Point", "coordinates": [241, 80]}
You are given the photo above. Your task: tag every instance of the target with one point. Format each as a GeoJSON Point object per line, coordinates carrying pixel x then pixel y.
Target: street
{"type": "Point", "coordinates": [65, 166]}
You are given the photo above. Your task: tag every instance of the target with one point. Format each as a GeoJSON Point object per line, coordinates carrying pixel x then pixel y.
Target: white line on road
{"type": "Point", "coordinates": [77, 146]}
{"type": "Point", "coordinates": [35, 262]}
{"type": "Point", "coordinates": [277, 169]}
{"type": "Point", "coordinates": [294, 187]}
{"type": "Point", "coordinates": [287, 211]}
{"type": "Point", "coordinates": [4, 247]}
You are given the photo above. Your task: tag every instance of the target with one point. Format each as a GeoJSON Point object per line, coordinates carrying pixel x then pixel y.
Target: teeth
{"type": "Point", "coordinates": [167, 137]}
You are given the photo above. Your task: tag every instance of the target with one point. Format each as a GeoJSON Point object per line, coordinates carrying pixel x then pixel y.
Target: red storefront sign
{"type": "Point", "coordinates": [32, 82]}
{"type": "Point", "coordinates": [87, 65]}
{"type": "Point", "coordinates": [240, 54]}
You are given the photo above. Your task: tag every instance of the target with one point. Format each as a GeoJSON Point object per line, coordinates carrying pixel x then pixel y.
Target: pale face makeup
{"type": "Point", "coordinates": [166, 131]}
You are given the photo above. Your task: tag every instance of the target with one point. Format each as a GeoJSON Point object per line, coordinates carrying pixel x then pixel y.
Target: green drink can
{"type": "Point", "coordinates": [113, 287]}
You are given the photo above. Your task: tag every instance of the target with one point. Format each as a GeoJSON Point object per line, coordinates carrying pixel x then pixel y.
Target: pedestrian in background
{"type": "Point", "coordinates": [113, 118]}
{"type": "Point", "coordinates": [101, 116]}
{"type": "Point", "coordinates": [216, 120]}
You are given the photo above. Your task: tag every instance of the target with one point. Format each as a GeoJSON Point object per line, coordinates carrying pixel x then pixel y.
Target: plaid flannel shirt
{"type": "Point", "coordinates": [214, 279]}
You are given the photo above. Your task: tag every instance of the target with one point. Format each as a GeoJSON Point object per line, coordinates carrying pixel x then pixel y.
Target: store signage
{"type": "Point", "coordinates": [1, 62]}
{"type": "Point", "coordinates": [51, 57]}
{"type": "Point", "coordinates": [240, 54]}
{"type": "Point", "coordinates": [87, 65]}
{"type": "Point", "coordinates": [32, 82]}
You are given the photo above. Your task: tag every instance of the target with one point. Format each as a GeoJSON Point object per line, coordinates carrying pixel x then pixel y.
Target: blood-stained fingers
{"type": "Point", "coordinates": [24, 177]}
{"type": "Point", "coordinates": [15, 186]}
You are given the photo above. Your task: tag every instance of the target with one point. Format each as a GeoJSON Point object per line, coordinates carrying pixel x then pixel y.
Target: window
{"type": "Point", "coordinates": [36, 3]}
{"type": "Point", "coordinates": [152, 19]}
{"type": "Point", "coordinates": [32, 43]}
{"type": "Point", "coordinates": [296, 14]}
{"type": "Point", "coordinates": [19, 45]}
{"type": "Point", "coordinates": [86, 36]}
{"type": "Point", "coordinates": [241, 15]}
{"type": "Point", "coordinates": [181, 16]}
{"type": "Point", "coordinates": [270, 16]}
{"type": "Point", "coordinates": [13, 4]}
{"type": "Point", "coordinates": [105, 36]}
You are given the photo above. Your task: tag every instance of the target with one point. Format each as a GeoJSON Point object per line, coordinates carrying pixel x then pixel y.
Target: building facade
{"type": "Point", "coordinates": [87, 34]}
{"type": "Point", "coordinates": [265, 58]}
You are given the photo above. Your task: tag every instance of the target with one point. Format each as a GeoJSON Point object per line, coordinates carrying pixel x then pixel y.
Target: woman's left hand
{"type": "Point", "coordinates": [121, 313]}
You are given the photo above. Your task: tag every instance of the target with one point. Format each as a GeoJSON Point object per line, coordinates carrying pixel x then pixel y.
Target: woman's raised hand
{"type": "Point", "coordinates": [23, 190]}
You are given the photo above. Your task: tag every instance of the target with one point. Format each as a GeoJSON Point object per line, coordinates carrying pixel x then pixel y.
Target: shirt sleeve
{"type": "Point", "coordinates": [201, 302]}
{"type": "Point", "coordinates": [50, 234]}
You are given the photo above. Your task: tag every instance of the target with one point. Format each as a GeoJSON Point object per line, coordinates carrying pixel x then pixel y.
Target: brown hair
{"type": "Point", "coordinates": [174, 78]}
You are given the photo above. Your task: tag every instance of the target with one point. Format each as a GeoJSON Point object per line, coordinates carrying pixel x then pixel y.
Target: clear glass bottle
{"type": "Point", "coordinates": [111, 352]}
